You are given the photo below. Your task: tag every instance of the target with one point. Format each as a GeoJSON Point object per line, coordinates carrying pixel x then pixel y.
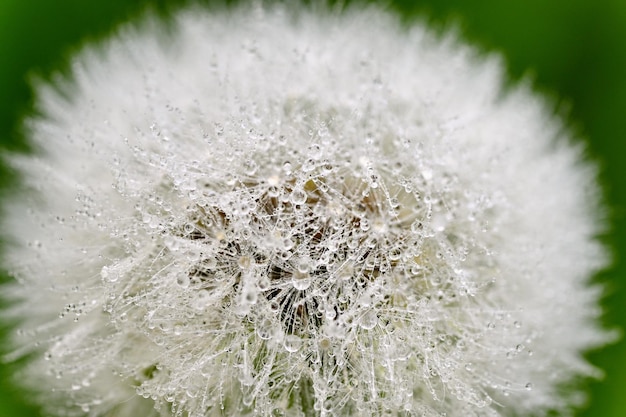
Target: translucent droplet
{"type": "Point", "coordinates": [435, 280]}
{"type": "Point", "coordinates": [292, 343]}
{"type": "Point", "coordinates": [308, 165]}
{"type": "Point", "coordinates": [315, 150]}
{"type": "Point", "coordinates": [249, 295]}
{"type": "Point", "coordinates": [369, 320]}
{"type": "Point", "coordinates": [273, 191]}
{"type": "Point", "coordinates": [264, 283]}
{"type": "Point", "coordinates": [104, 273]}
{"type": "Point", "coordinates": [244, 262]}
{"type": "Point", "coordinates": [188, 228]}
{"type": "Point", "coordinates": [395, 254]}
{"type": "Point", "coordinates": [264, 330]}
{"type": "Point", "coordinates": [298, 196]}
{"type": "Point", "coordinates": [183, 280]}
{"type": "Point", "coordinates": [300, 280]}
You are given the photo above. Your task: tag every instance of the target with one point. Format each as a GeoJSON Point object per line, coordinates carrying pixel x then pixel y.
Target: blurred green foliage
{"type": "Point", "coordinates": [572, 49]}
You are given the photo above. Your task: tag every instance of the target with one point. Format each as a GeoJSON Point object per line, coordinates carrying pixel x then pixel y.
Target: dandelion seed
{"type": "Point", "coordinates": [283, 212]}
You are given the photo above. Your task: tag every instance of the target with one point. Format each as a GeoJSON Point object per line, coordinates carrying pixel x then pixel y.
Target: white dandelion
{"type": "Point", "coordinates": [271, 212]}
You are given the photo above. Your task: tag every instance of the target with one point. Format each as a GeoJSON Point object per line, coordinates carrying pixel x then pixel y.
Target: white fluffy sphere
{"type": "Point", "coordinates": [277, 213]}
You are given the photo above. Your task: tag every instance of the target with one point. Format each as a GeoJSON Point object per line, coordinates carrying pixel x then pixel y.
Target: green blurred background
{"type": "Point", "coordinates": [573, 50]}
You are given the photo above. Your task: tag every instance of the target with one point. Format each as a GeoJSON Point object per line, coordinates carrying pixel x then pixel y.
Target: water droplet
{"type": "Point", "coordinates": [292, 343]}
{"type": "Point", "coordinates": [108, 274]}
{"type": "Point", "coordinates": [436, 280]}
{"type": "Point", "coordinates": [315, 150]}
{"type": "Point", "coordinates": [183, 280]}
{"type": "Point", "coordinates": [298, 196]}
{"type": "Point", "coordinates": [264, 283]}
{"type": "Point", "coordinates": [379, 226]}
{"type": "Point", "coordinates": [249, 295]}
{"type": "Point", "coordinates": [244, 262]}
{"type": "Point", "coordinates": [250, 166]}
{"type": "Point", "coordinates": [300, 280]}
{"type": "Point", "coordinates": [395, 254]}
{"type": "Point", "coordinates": [264, 330]}
{"type": "Point", "coordinates": [188, 228]}
{"type": "Point", "coordinates": [369, 320]}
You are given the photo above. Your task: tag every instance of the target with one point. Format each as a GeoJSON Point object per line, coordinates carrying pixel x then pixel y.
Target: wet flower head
{"type": "Point", "coordinates": [280, 213]}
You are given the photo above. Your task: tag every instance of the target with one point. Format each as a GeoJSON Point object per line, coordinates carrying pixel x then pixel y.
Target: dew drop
{"type": "Point", "coordinates": [292, 343]}
{"type": "Point", "coordinates": [183, 280]}
{"type": "Point", "coordinates": [369, 320]}
{"type": "Point", "coordinates": [264, 330]}
{"type": "Point", "coordinates": [298, 196]}
{"type": "Point", "coordinates": [395, 254]}
{"type": "Point", "coordinates": [108, 275]}
{"type": "Point", "coordinates": [300, 280]}
{"type": "Point", "coordinates": [244, 262]}
{"type": "Point", "coordinates": [264, 283]}
{"type": "Point", "coordinates": [249, 295]}
{"type": "Point", "coordinates": [315, 150]}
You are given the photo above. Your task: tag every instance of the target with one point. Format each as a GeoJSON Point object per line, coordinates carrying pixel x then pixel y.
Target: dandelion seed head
{"type": "Point", "coordinates": [279, 213]}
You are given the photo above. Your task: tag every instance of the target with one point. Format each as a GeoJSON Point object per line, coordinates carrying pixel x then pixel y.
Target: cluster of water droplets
{"type": "Point", "coordinates": [314, 231]}
{"type": "Point", "coordinates": [312, 278]}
